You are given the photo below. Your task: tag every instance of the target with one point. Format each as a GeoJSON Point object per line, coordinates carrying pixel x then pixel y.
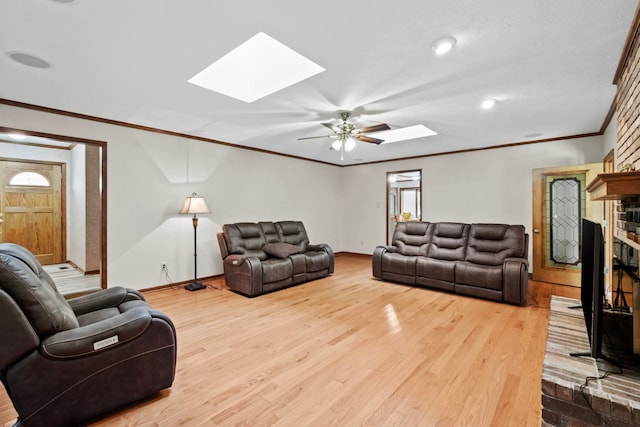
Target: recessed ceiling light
{"type": "Point", "coordinates": [28, 60]}
{"type": "Point", "coordinates": [403, 134]}
{"type": "Point", "coordinates": [63, 1]}
{"type": "Point", "coordinates": [255, 69]}
{"type": "Point", "coordinates": [489, 103]}
{"type": "Point", "coordinates": [443, 45]}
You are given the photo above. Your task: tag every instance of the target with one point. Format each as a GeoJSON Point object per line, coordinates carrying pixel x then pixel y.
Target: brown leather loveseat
{"type": "Point", "coordinates": [480, 260]}
{"type": "Point", "coordinates": [266, 256]}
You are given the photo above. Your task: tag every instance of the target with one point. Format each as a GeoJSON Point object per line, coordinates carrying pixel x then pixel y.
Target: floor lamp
{"type": "Point", "coordinates": [194, 205]}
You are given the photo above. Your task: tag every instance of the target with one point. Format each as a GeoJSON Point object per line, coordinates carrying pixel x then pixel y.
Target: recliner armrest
{"type": "Point", "coordinates": [328, 249]}
{"type": "Point", "coordinates": [111, 297]}
{"type": "Point", "coordinates": [243, 274]}
{"type": "Point", "coordinates": [516, 280]}
{"type": "Point", "coordinates": [235, 260]}
{"type": "Point", "coordinates": [97, 336]}
{"type": "Point", "coordinates": [376, 262]}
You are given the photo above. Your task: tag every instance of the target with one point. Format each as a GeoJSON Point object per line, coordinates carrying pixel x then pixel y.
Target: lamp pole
{"type": "Point", "coordinates": [195, 205]}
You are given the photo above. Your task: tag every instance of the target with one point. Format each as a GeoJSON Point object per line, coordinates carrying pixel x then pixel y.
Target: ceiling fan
{"type": "Point", "coordinates": [345, 134]}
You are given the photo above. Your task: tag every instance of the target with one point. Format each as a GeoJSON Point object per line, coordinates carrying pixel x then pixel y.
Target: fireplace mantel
{"type": "Point", "coordinates": [615, 186]}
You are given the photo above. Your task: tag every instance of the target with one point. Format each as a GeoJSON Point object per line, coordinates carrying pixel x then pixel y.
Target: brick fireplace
{"type": "Point", "coordinates": [566, 400]}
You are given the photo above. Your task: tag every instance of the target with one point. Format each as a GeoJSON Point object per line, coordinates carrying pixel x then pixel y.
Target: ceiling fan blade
{"type": "Point", "coordinates": [329, 125]}
{"type": "Point", "coordinates": [370, 139]}
{"type": "Point", "coordinates": [317, 137]}
{"type": "Point", "coordinates": [375, 128]}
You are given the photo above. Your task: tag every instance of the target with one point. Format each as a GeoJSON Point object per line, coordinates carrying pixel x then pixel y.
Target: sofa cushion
{"type": "Point", "coordinates": [491, 244]}
{"type": "Point", "coordinates": [448, 241]}
{"type": "Point", "coordinates": [281, 249]}
{"type": "Point", "coordinates": [22, 278]}
{"type": "Point", "coordinates": [411, 238]}
{"type": "Point", "coordinates": [269, 231]}
{"type": "Point", "coordinates": [436, 269]}
{"type": "Point", "coordinates": [483, 276]}
{"type": "Point", "coordinates": [399, 264]}
{"type": "Point", "coordinates": [292, 232]}
{"type": "Point", "coordinates": [316, 261]}
{"type": "Point", "coordinates": [245, 238]}
{"type": "Point", "coordinates": [275, 270]}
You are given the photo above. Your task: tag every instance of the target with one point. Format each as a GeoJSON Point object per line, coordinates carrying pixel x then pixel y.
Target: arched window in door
{"type": "Point", "coordinates": [30, 179]}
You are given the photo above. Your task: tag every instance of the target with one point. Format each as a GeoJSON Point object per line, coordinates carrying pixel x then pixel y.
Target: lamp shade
{"type": "Point", "coordinates": [194, 205]}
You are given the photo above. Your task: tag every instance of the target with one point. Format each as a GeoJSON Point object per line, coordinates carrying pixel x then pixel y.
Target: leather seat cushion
{"type": "Point", "coordinates": [436, 269]}
{"type": "Point", "coordinates": [276, 269]}
{"type": "Point", "coordinates": [485, 276]}
{"type": "Point", "coordinates": [316, 260]}
{"type": "Point", "coordinates": [399, 264]}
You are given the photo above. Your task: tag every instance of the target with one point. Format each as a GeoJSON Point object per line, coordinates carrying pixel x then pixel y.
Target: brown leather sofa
{"type": "Point", "coordinates": [480, 260]}
{"type": "Point", "coordinates": [266, 256]}
{"type": "Point", "coordinates": [64, 363]}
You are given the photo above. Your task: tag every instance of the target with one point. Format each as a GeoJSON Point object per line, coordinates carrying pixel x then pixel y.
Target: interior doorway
{"type": "Point", "coordinates": [404, 198]}
{"type": "Point", "coordinates": [82, 208]}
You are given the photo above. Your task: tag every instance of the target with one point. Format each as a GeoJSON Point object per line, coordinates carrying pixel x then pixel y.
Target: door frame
{"type": "Point", "coordinates": [103, 178]}
{"type": "Point", "coordinates": [388, 221]}
{"type": "Point", "coordinates": [541, 272]}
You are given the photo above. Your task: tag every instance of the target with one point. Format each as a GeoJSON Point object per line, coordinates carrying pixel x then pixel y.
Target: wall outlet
{"type": "Point", "coordinates": [164, 265]}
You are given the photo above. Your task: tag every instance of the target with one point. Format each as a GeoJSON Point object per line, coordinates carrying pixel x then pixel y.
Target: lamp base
{"type": "Point", "coordinates": [195, 286]}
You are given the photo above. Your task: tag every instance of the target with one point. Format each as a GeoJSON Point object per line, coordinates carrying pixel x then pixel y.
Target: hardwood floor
{"type": "Point", "coordinates": [348, 350]}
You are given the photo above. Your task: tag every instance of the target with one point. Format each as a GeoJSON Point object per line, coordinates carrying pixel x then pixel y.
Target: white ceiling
{"type": "Point", "coordinates": [549, 63]}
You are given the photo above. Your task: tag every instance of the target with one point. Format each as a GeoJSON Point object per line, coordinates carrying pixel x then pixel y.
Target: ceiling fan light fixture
{"type": "Point", "coordinates": [349, 144]}
{"type": "Point", "coordinates": [488, 104]}
{"type": "Point", "coordinates": [336, 144]}
{"type": "Point", "coordinates": [443, 45]}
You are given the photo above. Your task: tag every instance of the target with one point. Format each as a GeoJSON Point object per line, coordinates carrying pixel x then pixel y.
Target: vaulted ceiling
{"type": "Point", "coordinates": [549, 64]}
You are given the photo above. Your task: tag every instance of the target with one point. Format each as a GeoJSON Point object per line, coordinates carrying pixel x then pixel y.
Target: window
{"type": "Point", "coordinates": [31, 179]}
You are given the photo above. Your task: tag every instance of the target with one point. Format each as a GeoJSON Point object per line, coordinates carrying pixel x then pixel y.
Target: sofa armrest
{"type": "Point", "coordinates": [111, 297]}
{"type": "Point", "coordinates": [515, 273]}
{"type": "Point", "coordinates": [97, 336]}
{"type": "Point", "coordinates": [376, 261]}
{"type": "Point", "coordinates": [243, 274]}
{"type": "Point", "coordinates": [326, 248]}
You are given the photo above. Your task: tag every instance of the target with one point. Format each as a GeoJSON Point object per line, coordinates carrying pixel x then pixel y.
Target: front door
{"type": "Point", "coordinates": [559, 204]}
{"type": "Point", "coordinates": [31, 208]}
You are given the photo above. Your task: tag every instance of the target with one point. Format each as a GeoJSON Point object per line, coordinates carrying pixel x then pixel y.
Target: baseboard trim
{"type": "Point", "coordinates": [343, 253]}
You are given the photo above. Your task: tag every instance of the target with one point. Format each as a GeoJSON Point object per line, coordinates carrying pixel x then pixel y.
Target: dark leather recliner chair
{"type": "Point", "coordinates": [63, 362]}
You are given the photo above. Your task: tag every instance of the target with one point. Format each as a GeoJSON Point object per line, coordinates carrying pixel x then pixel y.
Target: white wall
{"type": "Point", "coordinates": [150, 174]}
{"type": "Point", "coordinates": [480, 186]}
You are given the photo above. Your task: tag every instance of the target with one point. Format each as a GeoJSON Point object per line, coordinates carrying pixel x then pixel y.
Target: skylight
{"type": "Point", "coordinates": [402, 134]}
{"type": "Point", "coordinates": [257, 68]}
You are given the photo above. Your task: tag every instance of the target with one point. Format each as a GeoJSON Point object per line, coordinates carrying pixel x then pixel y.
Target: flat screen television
{"type": "Point", "coordinates": [592, 285]}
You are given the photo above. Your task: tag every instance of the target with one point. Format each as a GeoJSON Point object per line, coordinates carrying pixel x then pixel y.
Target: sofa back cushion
{"type": "Point", "coordinates": [490, 244]}
{"type": "Point", "coordinates": [269, 231]}
{"type": "Point", "coordinates": [412, 238]}
{"type": "Point", "coordinates": [245, 238]}
{"type": "Point", "coordinates": [293, 232]}
{"type": "Point", "coordinates": [25, 281]}
{"type": "Point", "coordinates": [448, 241]}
